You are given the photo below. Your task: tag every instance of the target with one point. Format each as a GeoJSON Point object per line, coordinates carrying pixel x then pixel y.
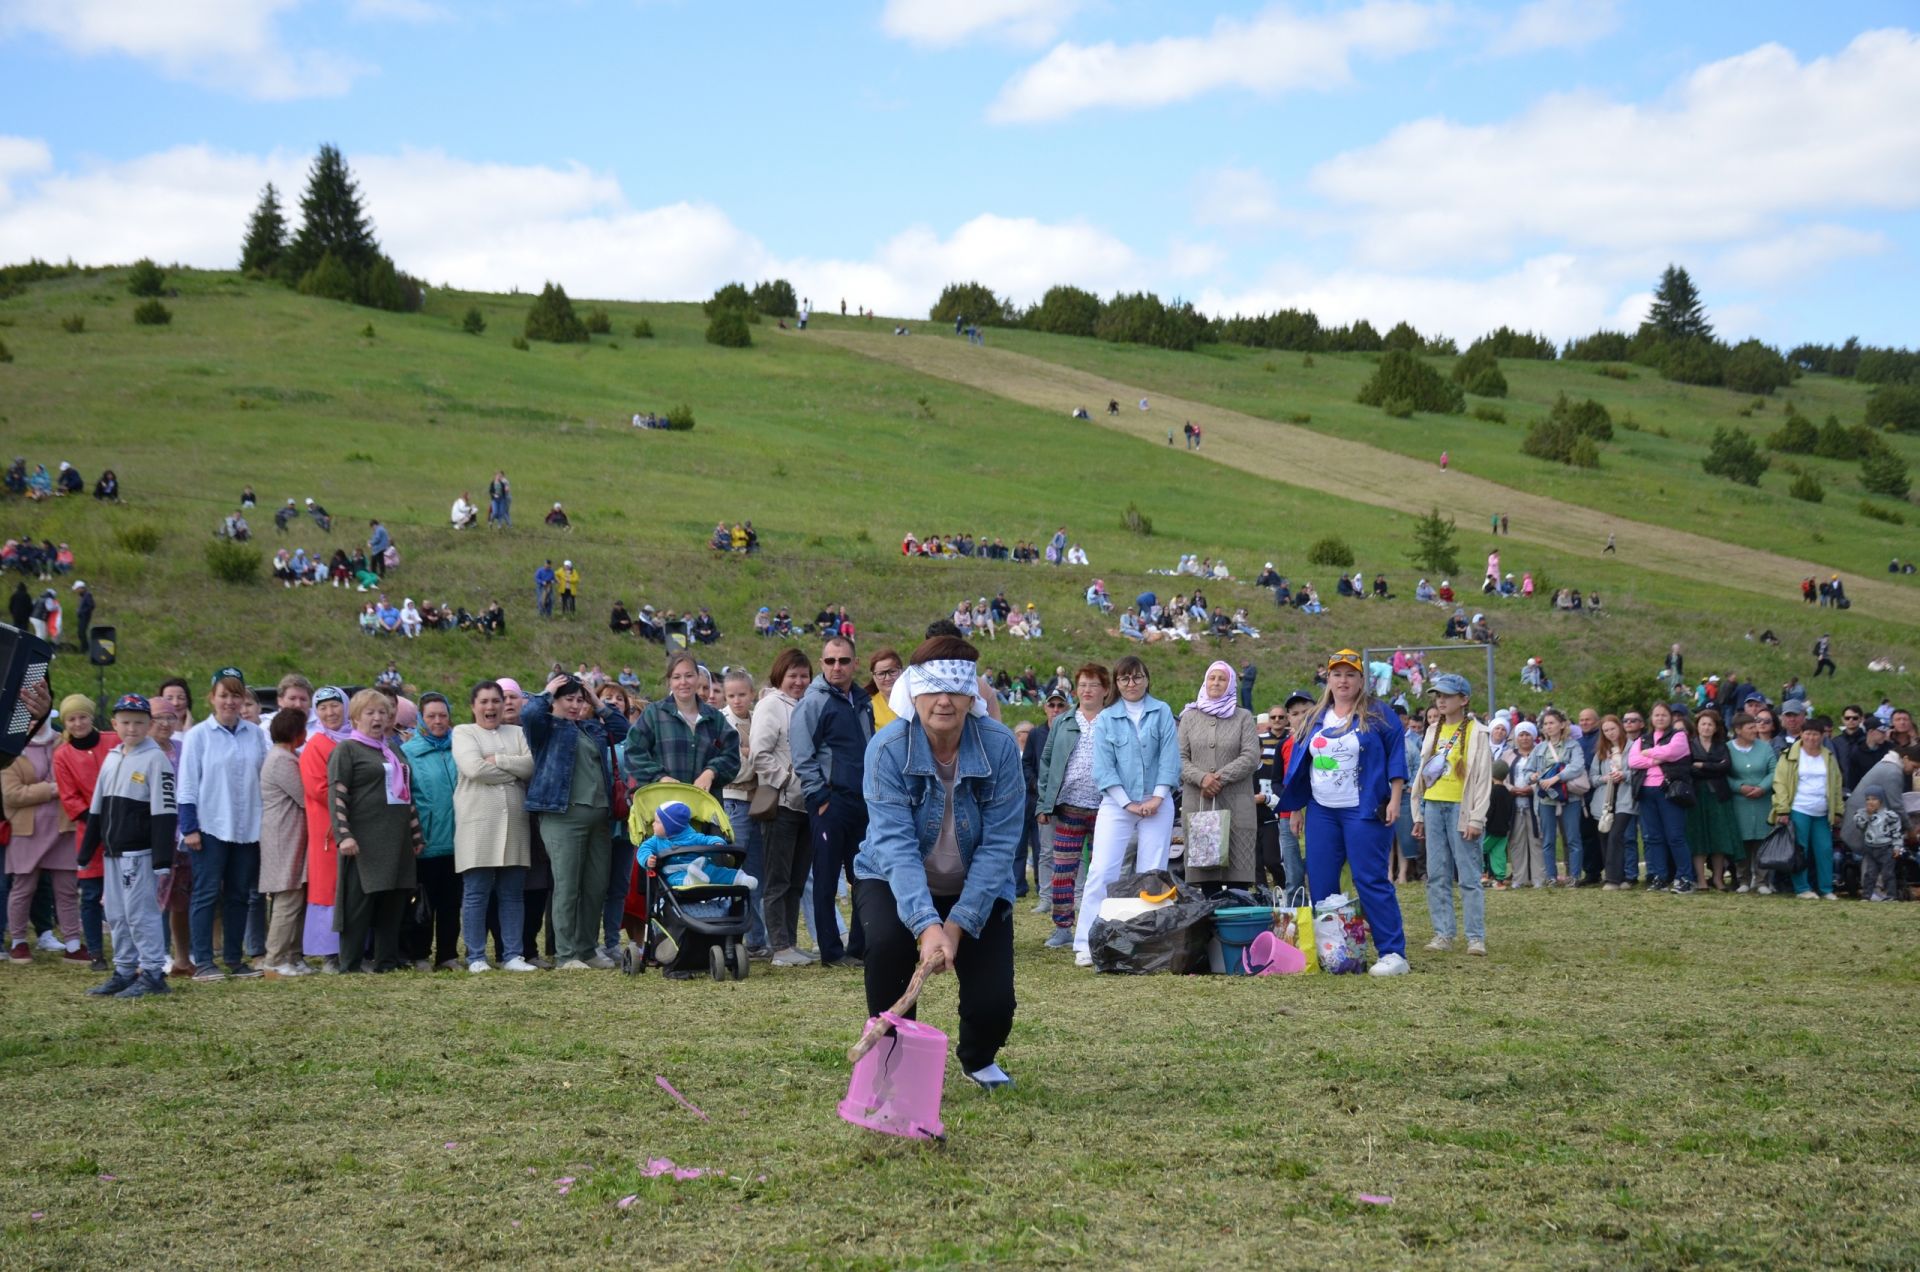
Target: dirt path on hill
{"type": "Point", "coordinates": [1273, 450]}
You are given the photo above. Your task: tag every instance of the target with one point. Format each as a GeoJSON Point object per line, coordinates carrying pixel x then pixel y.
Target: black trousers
{"type": "Point", "coordinates": [836, 836]}
{"type": "Point", "coordinates": [984, 965]}
{"type": "Point", "coordinates": [362, 912]}
{"type": "Point", "coordinates": [432, 927]}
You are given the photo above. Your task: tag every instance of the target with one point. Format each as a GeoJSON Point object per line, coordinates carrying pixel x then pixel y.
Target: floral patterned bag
{"type": "Point", "coordinates": [1209, 838]}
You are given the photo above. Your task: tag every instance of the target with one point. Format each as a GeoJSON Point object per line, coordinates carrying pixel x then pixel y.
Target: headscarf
{"type": "Point", "coordinates": [71, 705]}
{"type": "Point", "coordinates": [949, 675]}
{"type": "Point", "coordinates": [328, 693]}
{"type": "Point", "coordinates": [1223, 707]}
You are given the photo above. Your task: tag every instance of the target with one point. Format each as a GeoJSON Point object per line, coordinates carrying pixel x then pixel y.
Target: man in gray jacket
{"type": "Point", "coordinates": [828, 737]}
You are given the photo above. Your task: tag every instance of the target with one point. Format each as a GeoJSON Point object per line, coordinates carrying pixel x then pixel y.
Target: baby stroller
{"type": "Point", "coordinates": [689, 928]}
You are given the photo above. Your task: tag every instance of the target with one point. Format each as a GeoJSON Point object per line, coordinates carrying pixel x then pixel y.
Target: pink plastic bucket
{"type": "Point", "coordinates": [896, 1087]}
{"type": "Point", "coordinates": [1268, 955]}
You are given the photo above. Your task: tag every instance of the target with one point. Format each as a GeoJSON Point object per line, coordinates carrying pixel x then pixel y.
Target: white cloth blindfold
{"type": "Point", "coordinates": [954, 675]}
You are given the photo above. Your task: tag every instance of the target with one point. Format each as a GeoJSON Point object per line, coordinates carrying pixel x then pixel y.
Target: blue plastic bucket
{"type": "Point", "coordinates": [1236, 926]}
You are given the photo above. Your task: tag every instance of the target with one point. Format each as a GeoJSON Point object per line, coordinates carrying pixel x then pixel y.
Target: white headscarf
{"type": "Point", "coordinates": [947, 675]}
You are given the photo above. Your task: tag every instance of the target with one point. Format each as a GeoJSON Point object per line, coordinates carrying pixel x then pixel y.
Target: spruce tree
{"type": "Point", "coordinates": [266, 241]}
{"type": "Point", "coordinates": [332, 220]}
{"type": "Point", "coordinates": [1677, 313]}
{"type": "Point", "coordinates": [1433, 547]}
{"type": "Point", "coordinates": [552, 318]}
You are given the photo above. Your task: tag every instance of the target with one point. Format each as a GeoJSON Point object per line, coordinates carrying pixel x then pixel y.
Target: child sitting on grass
{"type": "Point", "coordinates": [1884, 834]}
{"type": "Point", "coordinates": [673, 832]}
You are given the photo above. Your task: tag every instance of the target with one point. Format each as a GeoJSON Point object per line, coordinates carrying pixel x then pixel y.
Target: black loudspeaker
{"type": "Point", "coordinates": [102, 646]}
{"type": "Point", "coordinates": [24, 659]}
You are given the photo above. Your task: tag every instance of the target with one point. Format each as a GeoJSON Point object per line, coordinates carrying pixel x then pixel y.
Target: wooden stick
{"type": "Point", "coordinates": [878, 1027]}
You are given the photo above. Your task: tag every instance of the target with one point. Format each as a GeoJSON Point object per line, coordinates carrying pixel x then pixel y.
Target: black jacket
{"type": "Point", "coordinates": [1710, 768]}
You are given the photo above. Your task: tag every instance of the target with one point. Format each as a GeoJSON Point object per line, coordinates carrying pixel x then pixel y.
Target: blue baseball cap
{"type": "Point", "coordinates": [1451, 682]}
{"type": "Point", "coordinates": [132, 703]}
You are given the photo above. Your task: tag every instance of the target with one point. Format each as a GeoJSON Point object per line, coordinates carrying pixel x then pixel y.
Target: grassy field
{"type": "Point", "coordinates": [833, 455]}
{"type": "Point", "coordinates": [1628, 1082]}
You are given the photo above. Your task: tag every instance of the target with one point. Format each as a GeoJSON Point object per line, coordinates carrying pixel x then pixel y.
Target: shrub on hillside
{"type": "Point", "coordinates": [1795, 436]}
{"type": "Point", "coordinates": [1489, 383]}
{"type": "Point", "coordinates": [146, 279]}
{"type": "Point", "coordinates": [141, 540]}
{"type": "Point", "coordinates": [680, 418]}
{"type": "Point", "coordinates": [1403, 376]}
{"type": "Point", "coordinates": [552, 318]}
{"type": "Point", "coordinates": [329, 279]}
{"type": "Point", "coordinates": [1588, 418]}
{"type": "Point", "coordinates": [1895, 406]}
{"type": "Point", "coordinates": [1398, 408]}
{"type": "Point", "coordinates": [1752, 367]}
{"type": "Point", "coordinates": [1733, 455]}
{"type": "Point", "coordinates": [152, 313]}
{"type": "Point", "coordinates": [474, 322]}
{"type": "Point", "coordinates": [729, 330]}
{"type": "Point", "coordinates": [643, 330]}
{"type": "Point", "coordinates": [1478, 358]}
{"type": "Point", "coordinates": [1505, 342]}
{"type": "Point", "coordinates": [1332, 551]}
{"type": "Point", "coordinates": [1135, 521]}
{"type": "Point", "coordinates": [775, 299]}
{"type": "Point", "coordinates": [232, 562]}
{"type": "Point", "coordinates": [599, 322]}
{"type": "Point", "coordinates": [1885, 473]}
{"type": "Point", "coordinates": [74, 324]}
{"type": "Point", "coordinates": [1837, 441]}
{"type": "Point", "coordinates": [520, 343]}
{"type": "Point", "coordinates": [6, 354]}
{"type": "Point", "coordinates": [1559, 441]}
{"type": "Point", "coordinates": [1601, 346]}
{"type": "Point", "coordinates": [1621, 690]}
{"type": "Point", "coordinates": [1403, 335]}
{"type": "Point", "coordinates": [973, 301]}
{"type": "Point", "coordinates": [1065, 311]}
{"type": "Point", "coordinates": [1491, 414]}
{"type": "Point", "coordinates": [1807, 488]}
{"type": "Point", "coordinates": [1874, 512]}
{"type": "Point", "coordinates": [1616, 372]}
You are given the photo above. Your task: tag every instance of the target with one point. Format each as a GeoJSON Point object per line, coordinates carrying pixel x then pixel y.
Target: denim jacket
{"type": "Point", "coordinates": [906, 803]}
{"type": "Point", "coordinates": [1144, 761]}
{"type": "Point", "coordinates": [550, 738]}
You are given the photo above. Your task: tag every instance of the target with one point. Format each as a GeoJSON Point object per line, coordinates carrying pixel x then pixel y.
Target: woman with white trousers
{"type": "Point", "coordinates": [1136, 763]}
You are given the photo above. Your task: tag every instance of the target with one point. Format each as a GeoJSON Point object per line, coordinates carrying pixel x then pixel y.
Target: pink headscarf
{"type": "Point", "coordinates": [1222, 707]}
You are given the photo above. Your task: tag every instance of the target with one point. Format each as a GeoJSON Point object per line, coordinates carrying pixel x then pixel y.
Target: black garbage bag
{"type": "Point", "coordinates": [1779, 851]}
{"type": "Point", "coordinates": [1171, 939]}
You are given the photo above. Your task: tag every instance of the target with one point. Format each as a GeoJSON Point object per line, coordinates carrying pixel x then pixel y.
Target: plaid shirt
{"type": "Point", "coordinates": [661, 745]}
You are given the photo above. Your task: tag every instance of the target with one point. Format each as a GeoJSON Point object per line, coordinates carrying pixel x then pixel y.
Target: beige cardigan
{"type": "Point", "coordinates": [490, 800]}
{"type": "Point", "coordinates": [1477, 786]}
{"type": "Point", "coordinates": [1231, 748]}
{"type": "Point", "coordinates": [24, 796]}
{"type": "Point", "coordinates": [768, 753]}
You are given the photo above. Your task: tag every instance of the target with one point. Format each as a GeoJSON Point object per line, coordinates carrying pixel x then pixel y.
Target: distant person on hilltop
{"type": "Point", "coordinates": [557, 517]}
{"type": "Point", "coordinates": [499, 501]}
{"type": "Point", "coordinates": [321, 517]}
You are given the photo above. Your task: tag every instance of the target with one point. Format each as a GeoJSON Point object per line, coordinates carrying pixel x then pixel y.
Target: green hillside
{"type": "Point", "coordinates": [834, 456]}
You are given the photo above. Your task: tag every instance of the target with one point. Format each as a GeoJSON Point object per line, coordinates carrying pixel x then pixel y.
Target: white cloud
{"type": "Point", "coordinates": [1740, 144]}
{"type": "Point", "coordinates": [941, 23]}
{"type": "Point", "coordinates": [230, 45]}
{"type": "Point", "coordinates": [415, 11]}
{"type": "Point", "coordinates": [1558, 24]}
{"type": "Point", "coordinates": [19, 157]}
{"type": "Point", "coordinates": [497, 226]}
{"type": "Point", "coordinates": [1236, 197]}
{"type": "Point", "coordinates": [1276, 52]}
{"type": "Point", "coordinates": [1795, 253]}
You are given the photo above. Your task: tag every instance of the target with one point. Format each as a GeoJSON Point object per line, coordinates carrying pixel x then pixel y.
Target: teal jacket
{"type": "Point", "coordinates": [433, 778]}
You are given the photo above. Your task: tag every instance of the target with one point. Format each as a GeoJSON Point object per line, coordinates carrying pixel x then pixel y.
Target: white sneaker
{"type": "Point", "coordinates": [1828, 896]}
{"type": "Point", "coordinates": [518, 964]}
{"type": "Point", "coordinates": [1389, 965]}
{"type": "Point", "coordinates": [479, 965]}
{"type": "Point", "coordinates": [1765, 889]}
{"type": "Point", "coordinates": [1806, 896]}
{"type": "Point", "coordinates": [573, 965]}
{"type": "Point", "coordinates": [51, 943]}
{"type": "Point", "coordinates": [1478, 948]}
{"type": "Point", "coordinates": [601, 963]}
{"type": "Point", "coordinates": [1083, 958]}
{"type": "Point", "coordinates": [1742, 888]}
{"type": "Point", "coordinates": [1440, 944]}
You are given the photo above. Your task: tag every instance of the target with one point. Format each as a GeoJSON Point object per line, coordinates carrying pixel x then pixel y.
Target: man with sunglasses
{"type": "Point", "coordinates": [828, 736]}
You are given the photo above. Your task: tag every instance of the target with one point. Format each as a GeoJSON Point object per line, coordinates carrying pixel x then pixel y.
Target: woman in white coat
{"type": "Point", "coordinates": [491, 845]}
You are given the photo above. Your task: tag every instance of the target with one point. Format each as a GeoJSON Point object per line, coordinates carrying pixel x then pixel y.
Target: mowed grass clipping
{"type": "Point", "coordinates": [832, 454]}
{"type": "Point", "coordinates": [1627, 1081]}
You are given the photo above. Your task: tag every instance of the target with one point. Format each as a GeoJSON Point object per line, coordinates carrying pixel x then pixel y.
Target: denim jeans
{"type": "Point", "coordinates": [256, 923]}
{"type": "Point", "coordinates": [1291, 858]}
{"type": "Point", "coordinates": [746, 833]}
{"type": "Point", "coordinates": [225, 876]}
{"type": "Point", "coordinates": [507, 884]}
{"type": "Point", "coordinates": [1663, 826]}
{"type": "Point", "coordinates": [92, 914]}
{"type": "Point", "coordinates": [1623, 848]}
{"type": "Point", "coordinates": [1566, 819]}
{"type": "Point", "coordinates": [1453, 860]}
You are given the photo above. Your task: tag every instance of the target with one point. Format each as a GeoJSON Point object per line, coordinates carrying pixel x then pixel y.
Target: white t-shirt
{"type": "Point", "coordinates": [1810, 792]}
{"type": "Point", "coordinates": [1336, 764]}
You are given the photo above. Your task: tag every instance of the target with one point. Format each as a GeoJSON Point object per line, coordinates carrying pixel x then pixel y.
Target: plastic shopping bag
{"type": "Point", "coordinates": [1339, 935]}
{"type": "Point", "coordinates": [1209, 838]}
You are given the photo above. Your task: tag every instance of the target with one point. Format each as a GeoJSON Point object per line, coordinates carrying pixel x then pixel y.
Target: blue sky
{"type": "Point", "coordinates": [1456, 164]}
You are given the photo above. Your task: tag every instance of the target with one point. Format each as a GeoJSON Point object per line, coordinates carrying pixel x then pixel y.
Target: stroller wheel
{"type": "Point", "coordinates": [716, 962]}
{"type": "Point", "coordinates": [632, 961]}
{"type": "Point", "coordinates": [740, 961]}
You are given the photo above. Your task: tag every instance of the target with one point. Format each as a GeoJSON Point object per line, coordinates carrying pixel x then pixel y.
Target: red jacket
{"type": "Point", "coordinates": [75, 773]}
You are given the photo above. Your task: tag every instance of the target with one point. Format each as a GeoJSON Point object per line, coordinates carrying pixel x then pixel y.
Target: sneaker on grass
{"type": "Point", "coordinates": [518, 964]}
{"type": "Point", "coordinates": [1440, 944]}
{"type": "Point", "coordinates": [479, 965]}
{"type": "Point", "coordinates": [1389, 965]}
{"type": "Point", "coordinates": [1062, 939]}
{"type": "Point", "coordinates": [790, 958]}
{"type": "Point", "coordinates": [208, 974]}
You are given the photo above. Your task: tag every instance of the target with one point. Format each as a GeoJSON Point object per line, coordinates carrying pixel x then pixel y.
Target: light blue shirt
{"type": "Point", "coordinates": [219, 780]}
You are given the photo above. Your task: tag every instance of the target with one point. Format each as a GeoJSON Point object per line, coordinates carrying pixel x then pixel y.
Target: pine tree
{"type": "Point", "coordinates": [332, 220]}
{"type": "Point", "coordinates": [1433, 547]}
{"type": "Point", "coordinates": [1885, 473]}
{"type": "Point", "coordinates": [1676, 312]}
{"type": "Point", "coordinates": [552, 318]}
{"type": "Point", "coordinates": [266, 242]}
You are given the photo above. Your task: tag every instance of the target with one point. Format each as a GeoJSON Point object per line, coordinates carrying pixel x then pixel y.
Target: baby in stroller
{"type": "Point", "coordinates": [673, 832]}
{"type": "Point", "coordinates": [693, 904]}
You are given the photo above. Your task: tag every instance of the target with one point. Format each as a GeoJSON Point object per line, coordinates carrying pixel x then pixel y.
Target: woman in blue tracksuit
{"type": "Point", "coordinates": [1136, 765]}
{"type": "Point", "coordinates": [1345, 782]}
